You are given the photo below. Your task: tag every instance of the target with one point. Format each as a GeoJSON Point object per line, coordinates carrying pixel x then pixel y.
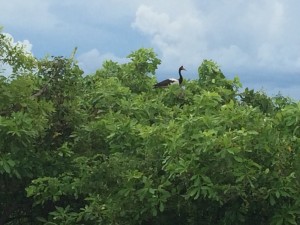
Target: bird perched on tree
{"type": "Point", "coordinates": [171, 81]}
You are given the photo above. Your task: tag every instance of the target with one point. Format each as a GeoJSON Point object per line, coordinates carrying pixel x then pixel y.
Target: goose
{"type": "Point", "coordinates": [171, 81]}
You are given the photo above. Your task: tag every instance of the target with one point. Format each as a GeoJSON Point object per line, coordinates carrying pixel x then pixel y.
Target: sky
{"type": "Point", "coordinates": [257, 40]}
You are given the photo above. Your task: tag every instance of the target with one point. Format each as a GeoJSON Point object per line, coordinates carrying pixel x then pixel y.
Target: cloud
{"type": "Point", "coordinates": [92, 60]}
{"type": "Point", "coordinates": [25, 44]}
{"type": "Point", "coordinates": [238, 35]}
{"type": "Point", "coordinates": [174, 37]}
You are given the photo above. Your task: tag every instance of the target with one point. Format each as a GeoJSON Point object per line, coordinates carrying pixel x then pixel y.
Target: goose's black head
{"type": "Point", "coordinates": [181, 68]}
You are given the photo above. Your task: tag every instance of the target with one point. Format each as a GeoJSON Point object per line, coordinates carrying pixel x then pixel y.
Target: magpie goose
{"type": "Point", "coordinates": [171, 81]}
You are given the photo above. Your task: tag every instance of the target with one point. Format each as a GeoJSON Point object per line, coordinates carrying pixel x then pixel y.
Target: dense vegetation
{"type": "Point", "coordinates": [107, 148]}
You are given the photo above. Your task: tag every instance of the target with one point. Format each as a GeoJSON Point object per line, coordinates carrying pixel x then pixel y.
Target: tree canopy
{"type": "Point", "coordinates": [108, 148]}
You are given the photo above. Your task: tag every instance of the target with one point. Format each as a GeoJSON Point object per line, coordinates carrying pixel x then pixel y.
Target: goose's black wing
{"type": "Point", "coordinates": [166, 83]}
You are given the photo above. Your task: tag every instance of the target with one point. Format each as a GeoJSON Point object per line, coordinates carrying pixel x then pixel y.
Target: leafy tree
{"type": "Point", "coordinates": [211, 78]}
{"type": "Point", "coordinates": [108, 148]}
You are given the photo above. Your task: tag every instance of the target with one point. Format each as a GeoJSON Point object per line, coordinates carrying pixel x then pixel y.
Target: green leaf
{"type": "Point", "coordinates": [240, 179]}
{"type": "Point", "coordinates": [41, 219]}
{"type": "Point", "coordinates": [6, 167]}
{"type": "Point", "coordinates": [154, 212]}
{"type": "Point", "coordinates": [11, 163]}
{"type": "Point", "coordinates": [161, 207]}
{"type": "Point", "coordinates": [272, 200]}
{"type": "Point", "coordinates": [238, 159]}
{"type": "Point", "coordinates": [152, 191]}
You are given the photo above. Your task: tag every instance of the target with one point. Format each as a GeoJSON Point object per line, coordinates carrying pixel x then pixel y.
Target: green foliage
{"type": "Point", "coordinates": [15, 55]}
{"type": "Point", "coordinates": [258, 99]}
{"type": "Point", "coordinates": [211, 78]}
{"type": "Point", "coordinates": [109, 149]}
{"type": "Point", "coordinates": [135, 74]}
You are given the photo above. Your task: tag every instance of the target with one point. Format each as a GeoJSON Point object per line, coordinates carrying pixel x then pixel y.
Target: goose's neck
{"type": "Point", "coordinates": [180, 77]}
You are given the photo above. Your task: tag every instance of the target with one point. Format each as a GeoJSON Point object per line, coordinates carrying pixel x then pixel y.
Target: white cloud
{"type": "Point", "coordinates": [25, 44]}
{"type": "Point", "coordinates": [92, 60]}
{"type": "Point", "coordinates": [238, 35]}
{"type": "Point", "coordinates": [174, 37]}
